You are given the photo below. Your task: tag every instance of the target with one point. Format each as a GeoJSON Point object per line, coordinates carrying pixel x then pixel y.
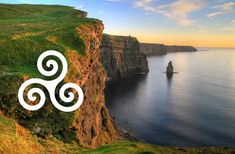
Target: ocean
{"type": "Point", "coordinates": [196, 107]}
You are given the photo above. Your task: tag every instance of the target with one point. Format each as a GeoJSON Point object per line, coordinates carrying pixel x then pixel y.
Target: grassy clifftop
{"type": "Point", "coordinates": [22, 11]}
{"type": "Point", "coordinates": [28, 30]}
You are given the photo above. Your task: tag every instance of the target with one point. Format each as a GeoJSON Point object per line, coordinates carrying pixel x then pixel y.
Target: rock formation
{"type": "Point", "coordinates": [169, 70]}
{"type": "Point", "coordinates": [92, 123]}
{"type": "Point", "coordinates": [120, 56]}
{"type": "Point", "coordinates": [161, 49]}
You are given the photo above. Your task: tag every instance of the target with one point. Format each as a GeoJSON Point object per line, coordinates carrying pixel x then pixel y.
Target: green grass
{"type": "Point", "coordinates": [29, 30]}
{"type": "Point", "coordinates": [130, 147]}
{"type": "Point", "coordinates": [16, 139]}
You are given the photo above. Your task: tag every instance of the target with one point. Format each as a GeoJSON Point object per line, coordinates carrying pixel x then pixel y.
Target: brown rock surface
{"type": "Point", "coordinates": [93, 124]}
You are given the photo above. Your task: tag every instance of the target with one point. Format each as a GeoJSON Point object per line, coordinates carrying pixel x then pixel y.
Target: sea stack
{"type": "Point", "coordinates": [169, 69]}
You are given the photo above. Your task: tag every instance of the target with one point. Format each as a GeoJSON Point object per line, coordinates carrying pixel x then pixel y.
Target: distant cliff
{"type": "Point", "coordinates": [120, 55]}
{"type": "Point", "coordinates": [150, 49]}
{"type": "Point", "coordinates": [180, 48]}
{"type": "Point", "coordinates": [153, 49]}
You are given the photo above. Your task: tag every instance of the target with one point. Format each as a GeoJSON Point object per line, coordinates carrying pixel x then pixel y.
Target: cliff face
{"type": "Point", "coordinates": [153, 49]}
{"type": "Point", "coordinates": [161, 49]}
{"type": "Point", "coordinates": [120, 56]}
{"type": "Point", "coordinates": [90, 125]}
{"type": "Point", "coordinates": [180, 48]}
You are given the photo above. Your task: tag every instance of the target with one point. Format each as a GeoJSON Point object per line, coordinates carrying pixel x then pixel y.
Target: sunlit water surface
{"type": "Point", "coordinates": [195, 108]}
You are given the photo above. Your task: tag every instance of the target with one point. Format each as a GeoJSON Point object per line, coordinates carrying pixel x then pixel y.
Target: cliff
{"type": "Point", "coordinates": [175, 48]}
{"type": "Point", "coordinates": [78, 38]}
{"type": "Point", "coordinates": [120, 56]}
{"type": "Point", "coordinates": [153, 49]}
{"type": "Point", "coordinates": [161, 49]}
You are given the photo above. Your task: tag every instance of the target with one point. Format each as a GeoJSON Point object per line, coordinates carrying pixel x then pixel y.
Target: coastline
{"type": "Point", "coordinates": [123, 133]}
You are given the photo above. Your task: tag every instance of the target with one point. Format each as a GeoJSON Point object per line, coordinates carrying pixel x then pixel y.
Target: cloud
{"type": "Point", "coordinates": [80, 7]}
{"type": "Point", "coordinates": [225, 8]}
{"type": "Point", "coordinates": [214, 14]}
{"type": "Point", "coordinates": [178, 10]}
{"type": "Point", "coordinates": [228, 6]}
{"type": "Point", "coordinates": [230, 28]}
{"type": "Point", "coordinates": [233, 22]}
{"type": "Point", "coordinates": [143, 3]}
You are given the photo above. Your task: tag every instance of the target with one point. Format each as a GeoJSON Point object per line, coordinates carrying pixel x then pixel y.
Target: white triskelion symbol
{"type": "Point", "coordinates": [51, 85]}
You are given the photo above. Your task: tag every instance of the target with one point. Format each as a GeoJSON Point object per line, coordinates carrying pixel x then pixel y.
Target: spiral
{"type": "Point", "coordinates": [51, 85]}
{"type": "Point", "coordinates": [31, 96]}
{"type": "Point", "coordinates": [70, 98]}
{"type": "Point", "coordinates": [52, 63]}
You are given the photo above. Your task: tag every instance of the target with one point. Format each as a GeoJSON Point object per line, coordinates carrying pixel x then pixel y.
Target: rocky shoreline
{"type": "Point", "coordinates": [122, 134]}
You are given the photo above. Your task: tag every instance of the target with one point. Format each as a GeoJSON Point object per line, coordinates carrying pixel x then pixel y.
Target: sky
{"type": "Point", "coordinates": [200, 23]}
